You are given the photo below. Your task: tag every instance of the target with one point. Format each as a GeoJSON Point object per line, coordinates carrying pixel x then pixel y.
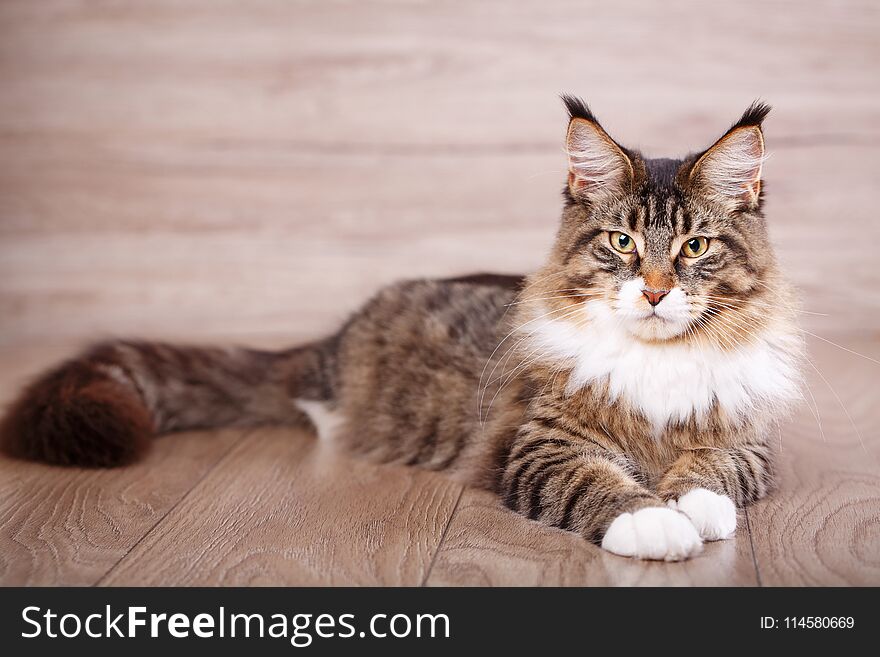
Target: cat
{"type": "Point", "coordinates": [627, 391]}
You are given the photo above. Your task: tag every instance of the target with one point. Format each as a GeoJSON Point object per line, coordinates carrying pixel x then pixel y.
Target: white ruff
{"type": "Point", "coordinates": [669, 383]}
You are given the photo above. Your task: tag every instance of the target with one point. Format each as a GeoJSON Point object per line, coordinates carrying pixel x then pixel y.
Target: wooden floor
{"type": "Point", "coordinates": [250, 172]}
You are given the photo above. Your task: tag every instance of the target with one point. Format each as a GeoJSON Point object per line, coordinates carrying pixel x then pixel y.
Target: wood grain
{"type": "Point", "coordinates": [487, 545]}
{"type": "Point", "coordinates": [69, 526]}
{"type": "Point", "coordinates": [143, 168]}
{"type": "Point", "coordinates": [286, 509]}
{"type": "Point", "coordinates": [218, 172]}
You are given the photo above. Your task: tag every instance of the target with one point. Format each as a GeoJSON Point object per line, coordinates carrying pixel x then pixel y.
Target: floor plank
{"type": "Point", "coordinates": [487, 545]}
{"type": "Point", "coordinates": [286, 509]}
{"type": "Point", "coordinates": [69, 527]}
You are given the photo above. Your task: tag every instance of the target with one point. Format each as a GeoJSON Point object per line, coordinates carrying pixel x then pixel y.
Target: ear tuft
{"type": "Point", "coordinates": [578, 109]}
{"type": "Point", "coordinates": [753, 116]}
{"type": "Point", "coordinates": [729, 173]}
{"type": "Point", "coordinates": [597, 166]}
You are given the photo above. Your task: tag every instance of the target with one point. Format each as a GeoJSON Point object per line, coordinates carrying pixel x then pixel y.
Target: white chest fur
{"type": "Point", "coordinates": [670, 383]}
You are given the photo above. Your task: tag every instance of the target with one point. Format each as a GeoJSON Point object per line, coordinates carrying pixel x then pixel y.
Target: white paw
{"type": "Point", "coordinates": [713, 515]}
{"type": "Point", "coordinates": [653, 533]}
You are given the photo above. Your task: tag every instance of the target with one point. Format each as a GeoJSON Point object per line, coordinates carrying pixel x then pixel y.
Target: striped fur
{"type": "Point", "coordinates": [498, 379]}
{"type": "Point", "coordinates": [103, 407]}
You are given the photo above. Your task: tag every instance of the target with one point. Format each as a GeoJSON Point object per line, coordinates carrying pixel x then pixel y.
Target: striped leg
{"type": "Point", "coordinates": [708, 484]}
{"type": "Point", "coordinates": [573, 482]}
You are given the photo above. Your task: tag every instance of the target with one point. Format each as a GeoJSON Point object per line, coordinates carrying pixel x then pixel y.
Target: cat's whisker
{"type": "Point", "coordinates": [834, 344]}
{"type": "Point", "coordinates": [752, 302]}
{"type": "Point", "coordinates": [842, 406]}
{"type": "Point", "coordinates": [504, 362]}
{"type": "Point", "coordinates": [506, 376]}
{"type": "Point", "coordinates": [562, 296]}
{"type": "Point", "coordinates": [725, 303]}
{"type": "Point", "coordinates": [526, 335]}
{"type": "Point", "coordinates": [736, 321]}
{"type": "Point", "coordinates": [517, 329]}
{"type": "Point", "coordinates": [750, 324]}
{"type": "Point", "coordinates": [722, 343]}
{"type": "Point", "coordinates": [524, 364]}
{"type": "Point", "coordinates": [786, 302]}
{"type": "Point", "coordinates": [541, 279]}
{"type": "Point", "coordinates": [815, 414]}
{"type": "Point", "coordinates": [582, 289]}
{"type": "Point", "coordinates": [494, 351]}
{"type": "Point", "coordinates": [722, 339]}
{"type": "Point", "coordinates": [814, 410]}
{"type": "Point", "coordinates": [814, 405]}
{"type": "Point", "coordinates": [834, 392]}
{"type": "Point", "coordinates": [734, 334]}
{"type": "Point", "coordinates": [689, 331]}
{"type": "Point", "coordinates": [551, 379]}
{"type": "Point", "coordinates": [731, 342]}
{"type": "Point", "coordinates": [559, 370]}
{"type": "Point", "coordinates": [525, 289]}
{"type": "Point", "coordinates": [533, 357]}
{"type": "Point", "coordinates": [520, 367]}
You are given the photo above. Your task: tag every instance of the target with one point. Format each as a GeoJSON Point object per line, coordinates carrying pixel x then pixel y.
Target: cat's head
{"type": "Point", "coordinates": [668, 248]}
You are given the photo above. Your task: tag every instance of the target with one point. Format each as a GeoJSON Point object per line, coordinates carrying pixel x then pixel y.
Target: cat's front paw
{"type": "Point", "coordinates": [713, 515]}
{"type": "Point", "coordinates": [653, 533]}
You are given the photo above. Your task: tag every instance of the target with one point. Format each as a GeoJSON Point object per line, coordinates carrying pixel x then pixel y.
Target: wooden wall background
{"type": "Point", "coordinates": [228, 171]}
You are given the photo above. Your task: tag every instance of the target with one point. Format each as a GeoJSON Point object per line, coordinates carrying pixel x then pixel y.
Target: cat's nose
{"type": "Point", "coordinates": [654, 296]}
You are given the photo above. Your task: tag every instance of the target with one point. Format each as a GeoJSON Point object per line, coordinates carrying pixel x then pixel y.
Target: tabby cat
{"type": "Point", "coordinates": [628, 391]}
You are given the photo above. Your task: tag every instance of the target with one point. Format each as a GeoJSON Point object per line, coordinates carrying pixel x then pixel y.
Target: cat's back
{"type": "Point", "coordinates": [448, 318]}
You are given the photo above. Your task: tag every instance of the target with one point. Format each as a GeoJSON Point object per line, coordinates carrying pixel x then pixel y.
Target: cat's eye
{"type": "Point", "coordinates": [622, 242]}
{"type": "Point", "coordinates": [694, 247]}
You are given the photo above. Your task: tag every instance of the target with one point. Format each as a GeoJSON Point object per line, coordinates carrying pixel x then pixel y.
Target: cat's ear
{"type": "Point", "coordinates": [597, 166]}
{"type": "Point", "coordinates": [729, 173]}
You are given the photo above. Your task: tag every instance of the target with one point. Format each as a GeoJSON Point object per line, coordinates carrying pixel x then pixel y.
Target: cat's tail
{"type": "Point", "coordinates": [103, 407]}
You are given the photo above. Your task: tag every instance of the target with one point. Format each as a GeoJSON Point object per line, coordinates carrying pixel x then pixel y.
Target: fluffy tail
{"type": "Point", "coordinates": [103, 407]}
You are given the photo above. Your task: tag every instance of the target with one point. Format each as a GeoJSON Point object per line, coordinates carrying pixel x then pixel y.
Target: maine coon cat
{"type": "Point", "coordinates": [628, 391]}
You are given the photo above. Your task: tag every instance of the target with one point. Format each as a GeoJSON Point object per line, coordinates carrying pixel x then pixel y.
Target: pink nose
{"type": "Point", "coordinates": [654, 296]}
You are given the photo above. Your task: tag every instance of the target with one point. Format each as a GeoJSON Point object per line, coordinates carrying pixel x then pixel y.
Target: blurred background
{"type": "Point", "coordinates": [252, 171]}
